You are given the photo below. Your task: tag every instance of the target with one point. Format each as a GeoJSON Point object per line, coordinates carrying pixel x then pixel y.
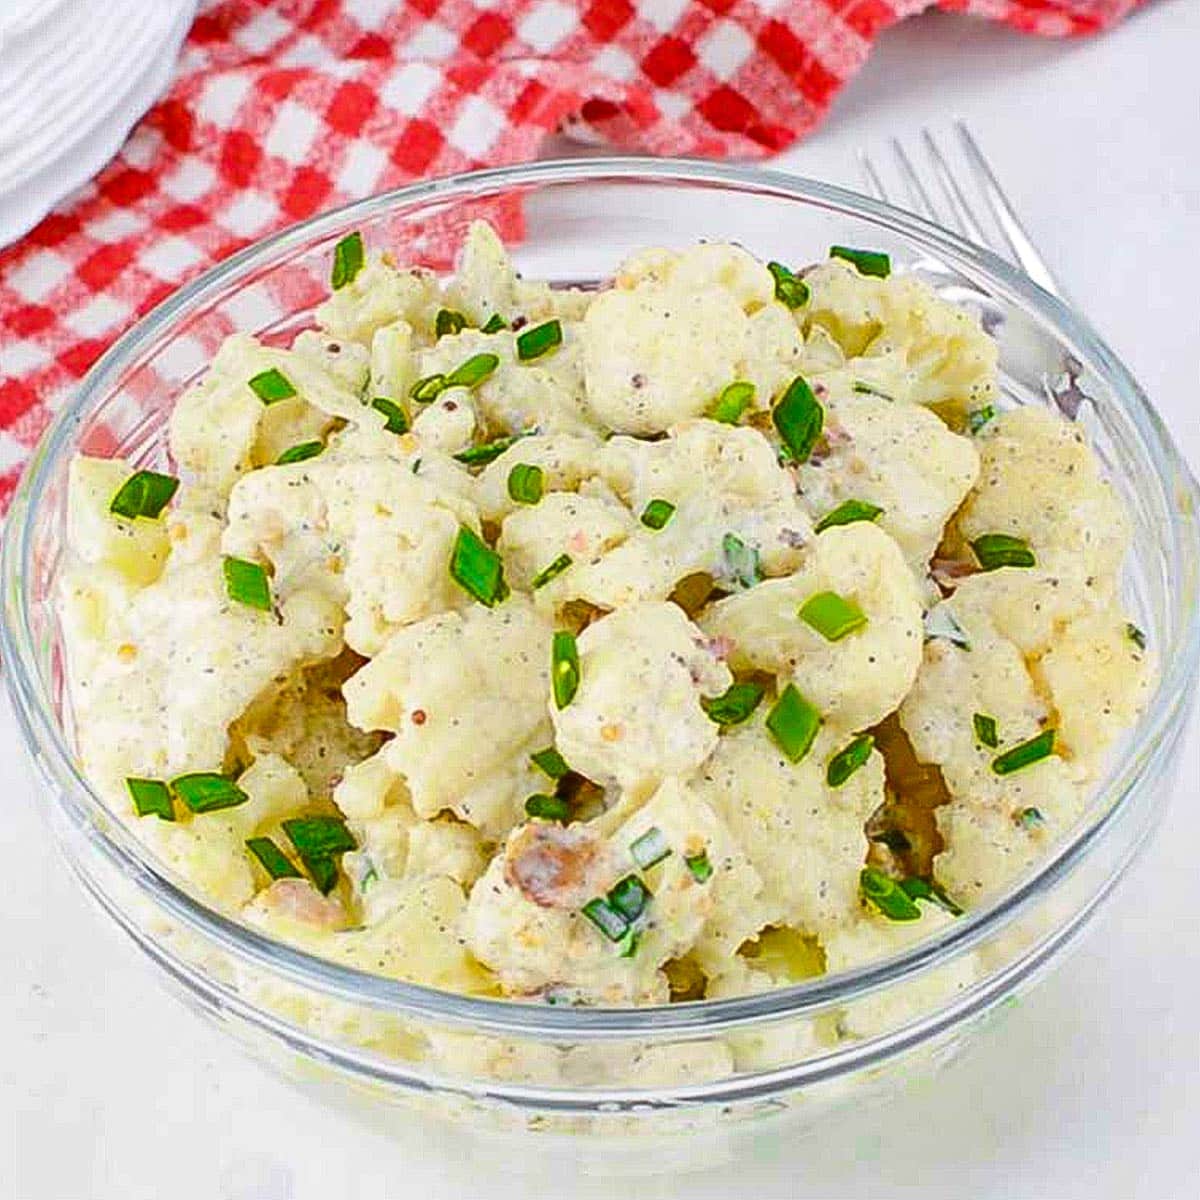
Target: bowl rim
{"type": "Point", "coordinates": [46, 741]}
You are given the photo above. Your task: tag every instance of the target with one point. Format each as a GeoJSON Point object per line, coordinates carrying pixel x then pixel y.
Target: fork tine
{"type": "Point", "coordinates": [963, 216]}
{"type": "Point", "coordinates": [916, 189]}
{"type": "Point", "coordinates": [1018, 240]}
{"type": "Point", "coordinates": [874, 183]}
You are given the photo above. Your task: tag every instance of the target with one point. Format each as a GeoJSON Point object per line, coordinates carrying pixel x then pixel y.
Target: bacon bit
{"type": "Point", "coordinates": [578, 542]}
{"type": "Point", "coordinates": [127, 652]}
{"type": "Point", "coordinates": [947, 572]}
{"type": "Point", "coordinates": [553, 865]}
{"type": "Point", "coordinates": [721, 646]}
{"type": "Point", "coordinates": [611, 733]}
{"type": "Point", "coordinates": [298, 900]}
{"type": "Point", "coordinates": [418, 716]}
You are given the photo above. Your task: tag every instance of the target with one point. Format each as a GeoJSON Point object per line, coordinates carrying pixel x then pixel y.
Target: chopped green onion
{"type": "Point", "coordinates": [799, 418]}
{"type": "Point", "coordinates": [317, 840]}
{"type": "Point", "coordinates": [426, 390]}
{"type": "Point", "coordinates": [207, 791]}
{"type": "Point", "coordinates": [1025, 754]}
{"type": "Point", "coordinates": [396, 418]}
{"type": "Point", "coordinates": [606, 919]}
{"type": "Point", "coordinates": [143, 494]}
{"type": "Point", "coordinates": [247, 583]}
{"type": "Point", "coordinates": [539, 340]}
{"type": "Point", "coordinates": [1030, 818]}
{"type": "Point", "coordinates": [323, 872]}
{"type": "Point", "coordinates": [1002, 550]}
{"type": "Point", "coordinates": [273, 860]}
{"type": "Point", "coordinates": [832, 616]}
{"type": "Point", "coordinates": [550, 762]}
{"type": "Point", "coordinates": [564, 667]}
{"type": "Point", "coordinates": [847, 513]}
{"type": "Point", "coordinates": [732, 402]}
{"type": "Point", "coordinates": [986, 733]}
{"type": "Point", "coordinates": [1135, 635]}
{"type": "Point", "coordinates": [869, 262]}
{"type": "Point", "coordinates": [977, 418]}
{"type": "Point", "coordinates": [548, 808]}
{"type": "Point", "coordinates": [472, 372]}
{"type": "Point", "coordinates": [301, 452]}
{"type": "Point", "coordinates": [495, 323]}
{"type": "Point", "coordinates": [699, 866]}
{"type": "Point", "coordinates": [151, 796]}
{"type": "Point", "coordinates": [734, 705]}
{"type": "Point", "coordinates": [790, 289]}
{"type": "Point", "coordinates": [525, 483]}
{"type": "Point", "coordinates": [449, 321]}
{"type": "Point", "coordinates": [793, 723]}
{"type": "Point", "coordinates": [867, 389]}
{"type": "Point", "coordinates": [845, 762]}
{"type": "Point", "coordinates": [887, 896]}
{"type": "Point", "coordinates": [657, 513]}
{"type": "Point", "coordinates": [271, 386]}
{"type": "Point", "coordinates": [650, 848]}
{"type": "Point", "coordinates": [477, 568]}
{"type": "Point", "coordinates": [553, 571]}
{"type": "Point", "coordinates": [940, 623]}
{"type": "Point", "coordinates": [348, 256]}
{"type": "Point", "coordinates": [629, 943]}
{"type": "Point", "coordinates": [475, 456]}
{"type": "Point", "coordinates": [916, 888]}
{"type": "Point", "coordinates": [740, 564]}
{"type": "Point", "coordinates": [629, 896]}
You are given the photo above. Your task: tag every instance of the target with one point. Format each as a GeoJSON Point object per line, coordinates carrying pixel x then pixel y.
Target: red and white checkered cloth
{"type": "Point", "coordinates": [281, 109]}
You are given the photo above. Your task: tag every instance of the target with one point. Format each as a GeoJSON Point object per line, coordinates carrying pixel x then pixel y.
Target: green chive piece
{"type": "Point", "coordinates": [323, 872]}
{"type": "Point", "coordinates": [734, 705]}
{"type": "Point", "coordinates": [916, 888]}
{"type": "Point", "coordinates": [475, 456]}
{"type": "Point", "coordinates": [495, 324]}
{"type": "Point", "coordinates": [348, 258]}
{"type": "Point", "coordinates": [832, 616]}
{"type": "Point", "coordinates": [539, 340]}
{"type": "Point", "coordinates": [396, 418]}
{"type": "Point", "coordinates": [477, 568]}
{"type": "Point", "coordinates": [790, 289]}
{"type": "Point", "coordinates": [151, 796]}
{"type": "Point", "coordinates": [700, 867]}
{"type": "Point", "coordinates": [629, 943]}
{"type": "Point", "coordinates": [247, 583]}
{"type": "Point", "coordinates": [143, 494]}
{"type": "Point", "coordinates": [868, 262]}
{"type": "Point", "coordinates": [271, 386]}
{"type": "Point", "coordinates": [207, 791]}
{"type": "Point", "coordinates": [300, 452]}
{"type": "Point", "coordinates": [793, 723]}
{"type": "Point", "coordinates": [884, 894]}
{"type": "Point", "coordinates": [1030, 818]}
{"type": "Point", "coordinates": [847, 513]}
{"type": "Point", "coordinates": [318, 840]}
{"type": "Point", "coordinates": [848, 760]}
{"type": "Point", "coordinates": [741, 566]}
{"type": "Point", "coordinates": [525, 483]}
{"type": "Point", "coordinates": [657, 513]}
{"type": "Point", "coordinates": [799, 418]}
{"type": "Point", "coordinates": [650, 848]}
{"type": "Point", "coordinates": [564, 667]}
{"type": "Point", "coordinates": [867, 389]}
{"type": "Point", "coordinates": [986, 733]}
{"type": "Point", "coordinates": [1135, 635]}
{"type": "Point", "coordinates": [1025, 754]}
{"type": "Point", "coordinates": [553, 571]}
{"type": "Point", "coordinates": [940, 623]}
{"type": "Point", "coordinates": [732, 403]}
{"type": "Point", "coordinates": [449, 321]}
{"type": "Point", "coordinates": [606, 918]}
{"type": "Point", "coordinates": [473, 372]}
{"type": "Point", "coordinates": [550, 762]}
{"type": "Point", "coordinates": [426, 390]}
{"type": "Point", "coordinates": [548, 808]}
{"type": "Point", "coordinates": [272, 859]}
{"type": "Point", "coordinates": [1002, 550]}
{"type": "Point", "coordinates": [977, 418]}
{"type": "Point", "coordinates": [629, 896]}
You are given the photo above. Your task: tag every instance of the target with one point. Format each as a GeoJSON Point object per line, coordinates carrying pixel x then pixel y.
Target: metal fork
{"type": "Point", "coordinates": [962, 216]}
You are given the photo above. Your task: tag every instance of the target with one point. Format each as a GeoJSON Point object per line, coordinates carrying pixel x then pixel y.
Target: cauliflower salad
{"type": "Point", "coordinates": [679, 639]}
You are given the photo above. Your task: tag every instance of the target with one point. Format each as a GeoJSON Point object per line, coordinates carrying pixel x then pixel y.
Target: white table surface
{"type": "Point", "coordinates": [1091, 1089]}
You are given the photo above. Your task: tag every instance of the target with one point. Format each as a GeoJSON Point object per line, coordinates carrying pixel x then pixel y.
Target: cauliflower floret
{"type": "Point", "coordinates": [485, 284]}
{"type": "Point", "coordinates": [637, 717]}
{"type": "Point", "coordinates": [854, 681]}
{"type": "Point", "coordinates": [774, 353]}
{"type": "Point", "coordinates": [379, 295]}
{"type": "Point", "coordinates": [347, 362]}
{"type": "Point", "coordinates": [437, 684]}
{"type": "Point", "coordinates": [1039, 481]}
{"type": "Point", "coordinates": [565, 460]}
{"type": "Point", "coordinates": [369, 534]}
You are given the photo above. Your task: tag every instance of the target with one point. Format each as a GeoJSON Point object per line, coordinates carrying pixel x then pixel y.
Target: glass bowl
{"type": "Point", "coordinates": [720, 1065]}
